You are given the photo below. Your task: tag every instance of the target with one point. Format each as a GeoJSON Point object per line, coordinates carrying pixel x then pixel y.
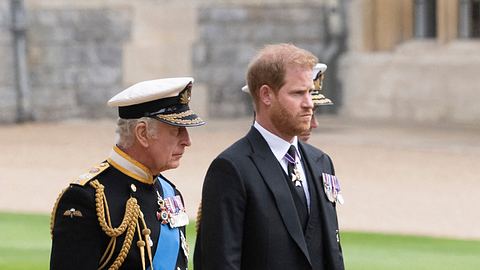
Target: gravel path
{"type": "Point", "coordinates": [395, 178]}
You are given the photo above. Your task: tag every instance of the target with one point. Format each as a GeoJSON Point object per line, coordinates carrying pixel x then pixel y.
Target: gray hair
{"type": "Point", "coordinates": [126, 130]}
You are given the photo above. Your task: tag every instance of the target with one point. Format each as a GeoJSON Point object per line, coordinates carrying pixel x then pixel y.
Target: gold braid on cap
{"type": "Point", "coordinates": [177, 118]}
{"type": "Point", "coordinates": [129, 224]}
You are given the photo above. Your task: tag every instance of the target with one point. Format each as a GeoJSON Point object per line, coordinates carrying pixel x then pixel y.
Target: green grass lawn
{"type": "Point", "coordinates": [25, 244]}
{"type": "Point", "coordinates": [24, 241]}
{"type": "Point", "coordinates": [367, 251]}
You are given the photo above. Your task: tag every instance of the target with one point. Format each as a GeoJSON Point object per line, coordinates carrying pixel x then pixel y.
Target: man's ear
{"type": "Point", "coordinates": [141, 134]}
{"type": "Point", "coordinates": [265, 94]}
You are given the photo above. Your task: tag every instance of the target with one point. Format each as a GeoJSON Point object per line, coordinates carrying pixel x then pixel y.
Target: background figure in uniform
{"type": "Point", "coordinates": [268, 201]}
{"type": "Point", "coordinates": [317, 98]}
{"type": "Point", "coordinates": [123, 213]}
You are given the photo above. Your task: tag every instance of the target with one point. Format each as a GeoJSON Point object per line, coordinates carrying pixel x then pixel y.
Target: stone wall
{"type": "Point", "coordinates": [229, 36]}
{"type": "Point", "coordinates": [421, 81]}
{"type": "Point", "coordinates": [80, 53]}
{"type": "Point", "coordinates": [75, 60]}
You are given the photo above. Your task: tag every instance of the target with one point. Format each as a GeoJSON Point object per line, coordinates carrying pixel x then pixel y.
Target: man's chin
{"type": "Point", "coordinates": [172, 165]}
{"type": "Point", "coordinates": [304, 136]}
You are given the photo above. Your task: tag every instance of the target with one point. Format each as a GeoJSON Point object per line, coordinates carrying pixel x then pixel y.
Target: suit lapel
{"type": "Point", "coordinates": [316, 167]}
{"type": "Point", "coordinates": [328, 214]}
{"type": "Point", "coordinates": [273, 176]}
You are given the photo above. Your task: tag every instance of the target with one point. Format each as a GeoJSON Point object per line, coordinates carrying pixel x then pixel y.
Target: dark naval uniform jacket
{"type": "Point", "coordinates": [248, 216]}
{"type": "Point", "coordinates": [78, 241]}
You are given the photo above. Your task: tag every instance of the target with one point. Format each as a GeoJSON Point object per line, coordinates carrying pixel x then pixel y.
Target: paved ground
{"type": "Point", "coordinates": [396, 178]}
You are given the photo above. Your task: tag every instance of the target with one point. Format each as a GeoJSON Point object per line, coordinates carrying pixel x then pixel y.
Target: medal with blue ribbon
{"type": "Point", "coordinates": [169, 239]}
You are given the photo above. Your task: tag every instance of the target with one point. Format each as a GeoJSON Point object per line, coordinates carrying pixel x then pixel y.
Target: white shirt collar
{"type": "Point", "coordinates": [278, 145]}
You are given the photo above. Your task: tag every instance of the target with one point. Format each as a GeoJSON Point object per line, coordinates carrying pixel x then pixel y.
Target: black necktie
{"type": "Point", "coordinates": [294, 175]}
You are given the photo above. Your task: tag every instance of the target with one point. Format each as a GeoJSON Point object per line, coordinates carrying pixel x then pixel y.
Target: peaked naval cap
{"type": "Point", "coordinates": [166, 100]}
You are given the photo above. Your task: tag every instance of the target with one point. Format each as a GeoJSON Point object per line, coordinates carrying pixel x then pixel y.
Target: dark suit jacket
{"type": "Point", "coordinates": [249, 219]}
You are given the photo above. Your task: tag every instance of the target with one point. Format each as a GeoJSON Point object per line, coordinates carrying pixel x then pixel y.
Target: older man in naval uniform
{"type": "Point", "coordinates": [123, 213]}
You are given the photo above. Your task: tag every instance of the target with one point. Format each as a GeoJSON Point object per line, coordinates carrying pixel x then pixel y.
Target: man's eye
{"type": "Point", "coordinates": [300, 93]}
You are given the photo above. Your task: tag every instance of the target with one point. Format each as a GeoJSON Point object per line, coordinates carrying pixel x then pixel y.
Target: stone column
{"type": "Point", "coordinates": [447, 16]}
{"type": "Point", "coordinates": [465, 19]}
{"type": "Point", "coordinates": [425, 18]}
{"type": "Point", "coordinates": [19, 28]}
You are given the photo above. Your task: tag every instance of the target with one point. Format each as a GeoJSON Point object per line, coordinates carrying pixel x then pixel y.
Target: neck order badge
{"type": "Point", "coordinates": [293, 172]}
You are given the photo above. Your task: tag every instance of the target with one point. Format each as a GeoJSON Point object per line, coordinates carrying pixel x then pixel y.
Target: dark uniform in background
{"type": "Point", "coordinates": [120, 215]}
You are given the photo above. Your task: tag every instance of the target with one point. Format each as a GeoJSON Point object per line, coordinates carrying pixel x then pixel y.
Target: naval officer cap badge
{"type": "Point", "coordinates": [166, 100]}
{"type": "Point", "coordinates": [317, 77]}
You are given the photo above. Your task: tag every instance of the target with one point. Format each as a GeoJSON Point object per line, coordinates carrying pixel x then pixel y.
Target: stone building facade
{"type": "Point", "coordinates": [412, 61]}
{"type": "Point", "coordinates": [401, 60]}
{"type": "Point", "coordinates": [80, 53]}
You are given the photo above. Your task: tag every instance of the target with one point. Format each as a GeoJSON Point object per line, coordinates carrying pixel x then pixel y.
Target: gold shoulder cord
{"type": "Point", "coordinates": [54, 211]}
{"type": "Point", "coordinates": [199, 216]}
{"type": "Point", "coordinates": [80, 181]}
{"type": "Point", "coordinates": [130, 224]}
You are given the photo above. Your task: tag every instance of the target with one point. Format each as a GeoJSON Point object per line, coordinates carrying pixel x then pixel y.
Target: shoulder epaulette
{"type": "Point", "coordinates": [92, 173]}
{"type": "Point", "coordinates": [81, 181]}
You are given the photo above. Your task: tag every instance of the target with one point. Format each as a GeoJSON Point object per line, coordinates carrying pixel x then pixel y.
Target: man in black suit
{"type": "Point", "coordinates": [268, 201]}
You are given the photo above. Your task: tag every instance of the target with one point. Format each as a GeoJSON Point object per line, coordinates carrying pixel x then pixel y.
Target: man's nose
{"type": "Point", "coordinates": [185, 137]}
{"type": "Point", "coordinates": [308, 102]}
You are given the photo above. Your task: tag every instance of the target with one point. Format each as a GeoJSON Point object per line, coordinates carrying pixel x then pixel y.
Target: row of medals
{"type": "Point", "coordinates": [332, 189]}
{"type": "Point", "coordinates": [171, 212]}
